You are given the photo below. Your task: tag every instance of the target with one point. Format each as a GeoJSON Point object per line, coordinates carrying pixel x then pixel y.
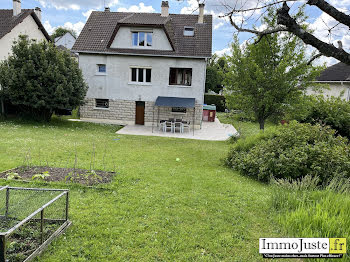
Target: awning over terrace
{"type": "Point", "coordinates": [167, 101]}
{"type": "Point", "coordinates": [175, 102]}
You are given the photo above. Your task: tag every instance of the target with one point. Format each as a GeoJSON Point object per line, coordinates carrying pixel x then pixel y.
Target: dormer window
{"type": "Point", "coordinates": [142, 39]}
{"type": "Point", "coordinates": [188, 31]}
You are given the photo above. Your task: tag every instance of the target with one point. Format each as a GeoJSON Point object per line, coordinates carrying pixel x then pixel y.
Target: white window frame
{"type": "Point", "coordinates": [98, 70]}
{"type": "Point", "coordinates": [137, 75]}
{"type": "Point", "coordinates": [138, 37]}
{"type": "Point", "coordinates": [187, 32]}
{"type": "Point", "coordinates": [102, 108]}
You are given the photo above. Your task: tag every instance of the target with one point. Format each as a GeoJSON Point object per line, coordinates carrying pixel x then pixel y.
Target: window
{"type": "Point", "coordinates": [180, 76]}
{"type": "Point", "coordinates": [101, 103]}
{"type": "Point", "coordinates": [142, 39]}
{"type": "Point", "coordinates": [141, 75]}
{"type": "Point", "coordinates": [179, 110]}
{"type": "Point", "coordinates": [101, 68]}
{"type": "Point", "coordinates": [188, 31]}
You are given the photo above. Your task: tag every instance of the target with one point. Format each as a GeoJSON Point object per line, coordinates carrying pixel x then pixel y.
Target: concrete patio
{"type": "Point", "coordinates": [214, 131]}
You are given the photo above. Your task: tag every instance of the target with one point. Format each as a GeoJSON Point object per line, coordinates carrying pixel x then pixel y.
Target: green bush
{"type": "Point", "coordinates": [332, 111]}
{"type": "Point", "coordinates": [217, 100]}
{"type": "Point", "coordinates": [292, 151]}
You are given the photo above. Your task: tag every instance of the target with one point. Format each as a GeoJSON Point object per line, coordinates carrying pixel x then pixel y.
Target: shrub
{"type": "Point", "coordinates": [292, 151]}
{"type": "Point", "coordinates": [38, 79]}
{"type": "Point", "coordinates": [332, 111]}
{"type": "Point", "coordinates": [217, 100]}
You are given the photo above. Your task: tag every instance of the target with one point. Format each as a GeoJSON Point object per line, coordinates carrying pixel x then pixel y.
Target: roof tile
{"type": "Point", "coordinates": [101, 27]}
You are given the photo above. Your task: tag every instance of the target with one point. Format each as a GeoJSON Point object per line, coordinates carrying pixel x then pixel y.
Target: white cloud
{"type": "Point", "coordinates": [141, 8]}
{"type": "Point", "coordinates": [77, 5]}
{"type": "Point", "coordinates": [224, 51]}
{"type": "Point", "coordinates": [77, 27]}
{"type": "Point", "coordinates": [88, 13]}
{"type": "Point", "coordinates": [48, 27]}
{"type": "Point", "coordinates": [218, 25]}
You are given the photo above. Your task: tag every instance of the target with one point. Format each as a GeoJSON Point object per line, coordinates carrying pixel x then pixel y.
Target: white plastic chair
{"type": "Point", "coordinates": [185, 125]}
{"type": "Point", "coordinates": [168, 125]}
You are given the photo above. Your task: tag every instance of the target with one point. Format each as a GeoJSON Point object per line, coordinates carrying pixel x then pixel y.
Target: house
{"type": "Point", "coordinates": [66, 41]}
{"type": "Point", "coordinates": [142, 67]}
{"type": "Point", "coordinates": [337, 78]}
{"type": "Point", "coordinates": [15, 22]}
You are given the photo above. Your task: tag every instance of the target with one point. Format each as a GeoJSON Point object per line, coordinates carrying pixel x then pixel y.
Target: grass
{"type": "Point", "coordinates": [157, 208]}
{"type": "Point", "coordinates": [245, 128]}
{"type": "Point", "coordinates": [313, 213]}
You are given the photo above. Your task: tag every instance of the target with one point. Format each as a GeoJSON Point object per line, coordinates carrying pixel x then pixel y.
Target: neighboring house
{"type": "Point", "coordinates": [337, 78]}
{"type": "Point", "coordinates": [15, 22]}
{"type": "Point", "coordinates": [141, 67]}
{"type": "Point", "coordinates": [67, 40]}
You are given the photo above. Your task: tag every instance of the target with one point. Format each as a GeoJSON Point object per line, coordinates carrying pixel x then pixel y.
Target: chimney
{"type": "Point", "coordinates": [16, 7]}
{"type": "Point", "coordinates": [37, 11]}
{"type": "Point", "coordinates": [107, 9]}
{"type": "Point", "coordinates": [165, 9]}
{"type": "Point", "coordinates": [201, 13]}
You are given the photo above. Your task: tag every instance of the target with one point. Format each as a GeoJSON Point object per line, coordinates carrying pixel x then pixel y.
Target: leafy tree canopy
{"type": "Point", "coordinates": [38, 79]}
{"type": "Point", "coordinates": [61, 31]}
{"type": "Point", "coordinates": [215, 74]}
{"type": "Point", "coordinates": [267, 76]}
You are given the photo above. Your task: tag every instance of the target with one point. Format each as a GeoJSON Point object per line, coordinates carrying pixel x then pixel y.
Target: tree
{"type": "Point", "coordinates": [289, 23]}
{"type": "Point", "coordinates": [38, 79]}
{"type": "Point", "coordinates": [61, 31]}
{"type": "Point", "coordinates": [215, 74]}
{"type": "Point", "coordinates": [266, 76]}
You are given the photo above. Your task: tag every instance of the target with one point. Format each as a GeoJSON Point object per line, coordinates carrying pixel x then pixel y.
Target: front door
{"type": "Point", "coordinates": [140, 113]}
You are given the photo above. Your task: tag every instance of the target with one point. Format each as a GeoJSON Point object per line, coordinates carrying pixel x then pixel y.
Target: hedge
{"type": "Point", "coordinates": [217, 100]}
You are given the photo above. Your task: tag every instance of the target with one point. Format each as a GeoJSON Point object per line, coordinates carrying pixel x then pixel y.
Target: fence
{"type": "Point", "coordinates": [30, 219]}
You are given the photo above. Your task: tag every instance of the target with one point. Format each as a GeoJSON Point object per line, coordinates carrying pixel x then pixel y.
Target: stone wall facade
{"type": "Point", "coordinates": [123, 112]}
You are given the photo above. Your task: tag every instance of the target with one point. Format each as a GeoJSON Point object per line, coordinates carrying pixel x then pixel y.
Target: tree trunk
{"type": "Point", "coordinates": [262, 124]}
{"type": "Point", "coordinates": [2, 107]}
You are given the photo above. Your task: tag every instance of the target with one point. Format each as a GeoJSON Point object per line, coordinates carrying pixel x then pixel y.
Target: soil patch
{"type": "Point", "coordinates": [82, 176]}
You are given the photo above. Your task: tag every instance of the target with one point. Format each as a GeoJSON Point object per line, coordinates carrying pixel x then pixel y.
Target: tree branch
{"type": "Point", "coordinates": [332, 11]}
{"type": "Point", "coordinates": [313, 58]}
{"type": "Point", "coordinates": [283, 18]}
{"type": "Point", "coordinates": [257, 32]}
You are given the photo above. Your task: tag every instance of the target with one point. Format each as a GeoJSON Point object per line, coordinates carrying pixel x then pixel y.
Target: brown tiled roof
{"type": "Point", "coordinates": [101, 28]}
{"type": "Point", "coordinates": [337, 72]}
{"type": "Point", "coordinates": [8, 21]}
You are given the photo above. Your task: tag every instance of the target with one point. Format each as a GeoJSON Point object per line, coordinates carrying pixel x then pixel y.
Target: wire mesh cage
{"type": "Point", "coordinates": [30, 218]}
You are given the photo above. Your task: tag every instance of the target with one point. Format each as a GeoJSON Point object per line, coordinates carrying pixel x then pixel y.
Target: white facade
{"type": "Point", "coordinates": [124, 38]}
{"type": "Point", "coordinates": [117, 93]}
{"type": "Point", "coordinates": [67, 41]}
{"type": "Point", "coordinates": [336, 89]}
{"type": "Point", "coordinates": [116, 83]}
{"type": "Point", "coordinates": [28, 27]}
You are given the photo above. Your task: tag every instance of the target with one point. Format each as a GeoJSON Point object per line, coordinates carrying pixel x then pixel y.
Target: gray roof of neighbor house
{"type": "Point", "coordinates": [337, 72]}
{"type": "Point", "coordinates": [8, 21]}
{"type": "Point", "coordinates": [102, 27]}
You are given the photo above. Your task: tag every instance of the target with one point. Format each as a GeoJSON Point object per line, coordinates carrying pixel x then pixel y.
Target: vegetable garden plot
{"type": "Point", "coordinates": [30, 218]}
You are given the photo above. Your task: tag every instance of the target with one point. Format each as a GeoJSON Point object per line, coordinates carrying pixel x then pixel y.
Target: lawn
{"type": "Point", "coordinates": [245, 128]}
{"type": "Point", "coordinates": [157, 208]}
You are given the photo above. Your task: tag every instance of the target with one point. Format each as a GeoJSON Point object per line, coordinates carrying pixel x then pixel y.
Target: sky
{"type": "Point", "coordinates": [73, 14]}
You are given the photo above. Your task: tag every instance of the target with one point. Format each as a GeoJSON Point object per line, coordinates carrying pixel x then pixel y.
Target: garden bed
{"type": "Point", "coordinates": [56, 174]}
